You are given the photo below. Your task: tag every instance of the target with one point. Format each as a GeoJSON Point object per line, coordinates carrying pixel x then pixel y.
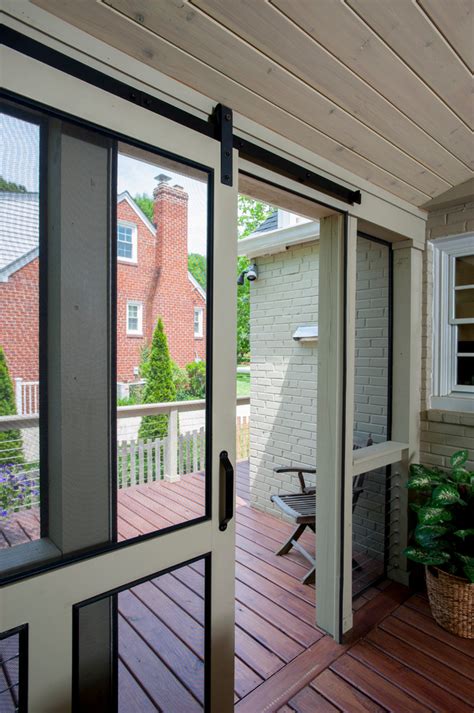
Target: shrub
{"type": "Point", "coordinates": [159, 387]}
{"type": "Point", "coordinates": [11, 446]}
{"type": "Point", "coordinates": [181, 382]}
{"type": "Point", "coordinates": [444, 534]}
{"type": "Point", "coordinates": [197, 379]}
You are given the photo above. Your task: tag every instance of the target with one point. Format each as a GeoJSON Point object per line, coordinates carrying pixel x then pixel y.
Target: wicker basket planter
{"type": "Point", "coordinates": [452, 602]}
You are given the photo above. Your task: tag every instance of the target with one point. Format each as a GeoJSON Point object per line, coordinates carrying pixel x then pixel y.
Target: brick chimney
{"type": "Point", "coordinates": [170, 213]}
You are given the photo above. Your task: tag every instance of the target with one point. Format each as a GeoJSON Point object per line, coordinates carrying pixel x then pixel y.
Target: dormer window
{"type": "Point", "coordinates": [126, 242]}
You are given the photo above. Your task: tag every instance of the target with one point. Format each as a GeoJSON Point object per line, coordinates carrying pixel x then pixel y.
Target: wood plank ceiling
{"type": "Point", "coordinates": [383, 89]}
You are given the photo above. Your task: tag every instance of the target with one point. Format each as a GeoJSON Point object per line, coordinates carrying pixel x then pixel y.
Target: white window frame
{"type": "Point", "coordinates": [199, 311]}
{"type": "Point", "coordinates": [134, 258]}
{"type": "Point", "coordinates": [139, 331]}
{"type": "Point", "coordinates": [446, 394]}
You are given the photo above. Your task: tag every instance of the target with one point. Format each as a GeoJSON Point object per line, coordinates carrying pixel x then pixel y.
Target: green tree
{"type": "Point", "coordinates": [145, 203]}
{"type": "Point", "coordinates": [10, 187]}
{"type": "Point", "coordinates": [11, 447]}
{"type": "Point", "coordinates": [251, 214]}
{"type": "Point", "coordinates": [197, 266]}
{"type": "Point", "coordinates": [160, 386]}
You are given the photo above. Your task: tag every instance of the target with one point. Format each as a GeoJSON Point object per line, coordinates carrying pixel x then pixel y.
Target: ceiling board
{"type": "Point", "coordinates": [407, 30]}
{"type": "Point", "coordinates": [321, 92]}
{"type": "Point", "coordinates": [337, 27]}
{"type": "Point", "coordinates": [116, 30]}
{"type": "Point", "coordinates": [260, 23]}
{"type": "Point", "coordinates": [455, 20]}
{"type": "Point", "coordinates": [207, 40]}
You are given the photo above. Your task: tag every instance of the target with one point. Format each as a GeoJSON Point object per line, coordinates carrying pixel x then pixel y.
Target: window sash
{"type": "Point", "coordinates": [134, 318]}
{"type": "Point", "coordinates": [445, 324]}
{"type": "Point", "coordinates": [198, 322]}
{"type": "Point", "coordinates": [126, 242]}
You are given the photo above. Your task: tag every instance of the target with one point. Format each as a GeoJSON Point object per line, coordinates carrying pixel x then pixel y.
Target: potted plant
{"type": "Point", "coordinates": [444, 540]}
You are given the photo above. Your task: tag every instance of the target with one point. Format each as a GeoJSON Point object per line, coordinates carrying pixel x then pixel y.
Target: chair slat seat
{"type": "Point", "coordinates": [302, 508]}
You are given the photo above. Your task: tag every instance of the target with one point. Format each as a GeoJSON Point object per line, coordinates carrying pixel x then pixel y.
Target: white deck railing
{"type": "Point", "coordinates": [139, 461]}
{"type": "Point", "coordinates": [26, 397]}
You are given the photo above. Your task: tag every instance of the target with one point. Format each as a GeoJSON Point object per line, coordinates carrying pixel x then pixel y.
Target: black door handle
{"type": "Point", "coordinates": [226, 491]}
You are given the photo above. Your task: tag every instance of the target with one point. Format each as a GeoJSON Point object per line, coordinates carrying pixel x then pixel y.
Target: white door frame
{"type": "Point", "coordinates": [45, 601]}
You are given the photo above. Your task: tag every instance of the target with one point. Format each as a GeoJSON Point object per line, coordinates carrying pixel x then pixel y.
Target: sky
{"type": "Point", "coordinates": [19, 157]}
{"type": "Point", "coordinates": [136, 176]}
{"type": "Point", "coordinates": [19, 162]}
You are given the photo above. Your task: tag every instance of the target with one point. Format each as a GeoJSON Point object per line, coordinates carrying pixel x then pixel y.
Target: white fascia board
{"type": "Point", "coordinates": [17, 264]}
{"type": "Point", "coordinates": [196, 285]}
{"type": "Point", "coordinates": [125, 196]}
{"type": "Point", "coordinates": [277, 241]}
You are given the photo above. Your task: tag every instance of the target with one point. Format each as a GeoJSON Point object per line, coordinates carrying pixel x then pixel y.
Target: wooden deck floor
{"type": "Point", "coordinates": [398, 659]}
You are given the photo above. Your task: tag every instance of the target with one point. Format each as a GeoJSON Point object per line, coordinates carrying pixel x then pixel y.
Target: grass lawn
{"type": "Point", "coordinates": [243, 384]}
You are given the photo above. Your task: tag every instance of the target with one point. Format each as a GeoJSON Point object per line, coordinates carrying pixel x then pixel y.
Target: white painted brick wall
{"type": "Point", "coordinates": [284, 373]}
{"type": "Point", "coordinates": [371, 343]}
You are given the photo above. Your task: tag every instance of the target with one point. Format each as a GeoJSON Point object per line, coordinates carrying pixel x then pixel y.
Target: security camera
{"type": "Point", "coordinates": [252, 273]}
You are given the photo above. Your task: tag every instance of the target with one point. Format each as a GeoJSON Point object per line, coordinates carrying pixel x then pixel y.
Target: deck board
{"type": "Point", "coordinates": [397, 657]}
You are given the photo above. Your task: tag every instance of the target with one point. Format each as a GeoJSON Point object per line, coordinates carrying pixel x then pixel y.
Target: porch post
{"type": "Point", "coordinates": [18, 396]}
{"type": "Point", "coordinates": [337, 264]}
{"type": "Point", "coordinates": [171, 463]}
{"type": "Point", "coordinates": [407, 287]}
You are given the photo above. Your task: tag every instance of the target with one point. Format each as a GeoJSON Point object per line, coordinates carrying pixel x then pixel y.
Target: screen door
{"type": "Point", "coordinates": [117, 561]}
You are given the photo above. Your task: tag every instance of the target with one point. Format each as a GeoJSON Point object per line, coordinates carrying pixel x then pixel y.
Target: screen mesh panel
{"type": "Point", "coordinates": [162, 285]}
{"type": "Point", "coordinates": [19, 329]}
{"type": "Point", "coordinates": [371, 490]}
{"type": "Point", "coordinates": [145, 646]}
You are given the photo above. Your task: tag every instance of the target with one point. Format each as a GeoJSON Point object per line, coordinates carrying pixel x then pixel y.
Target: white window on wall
{"type": "Point", "coordinates": [126, 242]}
{"type": "Point", "coordinates": [198, 321]}
{"type": "Point", "coordinates": [135, 318]}
{"type": "Point", "coordinates": [453, 323]}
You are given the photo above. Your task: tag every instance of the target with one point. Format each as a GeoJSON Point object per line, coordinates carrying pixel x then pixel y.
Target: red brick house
{"type": "Point", "coordinates": [152, 281]}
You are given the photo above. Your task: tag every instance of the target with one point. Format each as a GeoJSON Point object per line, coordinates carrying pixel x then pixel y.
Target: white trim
{"type": "Point", "coordinates": [196, 285]}
{"type": "Point", "coordinates": [277, 241]}
{"type": "Point", "coordinates": [17, 264]}
{"type": "Point", "coordinates": [125, 196]}
{"type": "Point", "coordinates": [199, 312]}
{"type": "Point", "coordinates": [445, 393]}
{"type": "Point", "coordinates": [134, 228]}
{"type": "Point", "coordinates": [139, 331]}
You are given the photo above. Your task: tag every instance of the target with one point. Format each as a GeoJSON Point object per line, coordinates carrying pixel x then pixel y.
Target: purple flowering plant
{"type": "Point", "coordinates": [17, 489]}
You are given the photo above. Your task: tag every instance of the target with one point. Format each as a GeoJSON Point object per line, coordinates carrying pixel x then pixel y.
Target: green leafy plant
{"type": "Point", "coordinates": [444, 506]}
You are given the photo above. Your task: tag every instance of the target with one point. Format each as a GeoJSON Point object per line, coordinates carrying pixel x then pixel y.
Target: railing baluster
{"type": "Point", "coordinates": [124, 453]}
{"type": "Point", "coordinates": [180, 455]}
{"type": "Point", "coordinates": [149, 461]}
{"type": "Point", "coordinates": [141, 448]}
{"type": "Point", "coordinates": [195, 451]}
{"type": "Point", "coordinates": [202, 460]}
{"type": "Point", "coordinates": [133, 480]}
{"type": "Point", "coordinates": [188, 453]}
{"type": "Point", "coordinates": [171, 469]}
